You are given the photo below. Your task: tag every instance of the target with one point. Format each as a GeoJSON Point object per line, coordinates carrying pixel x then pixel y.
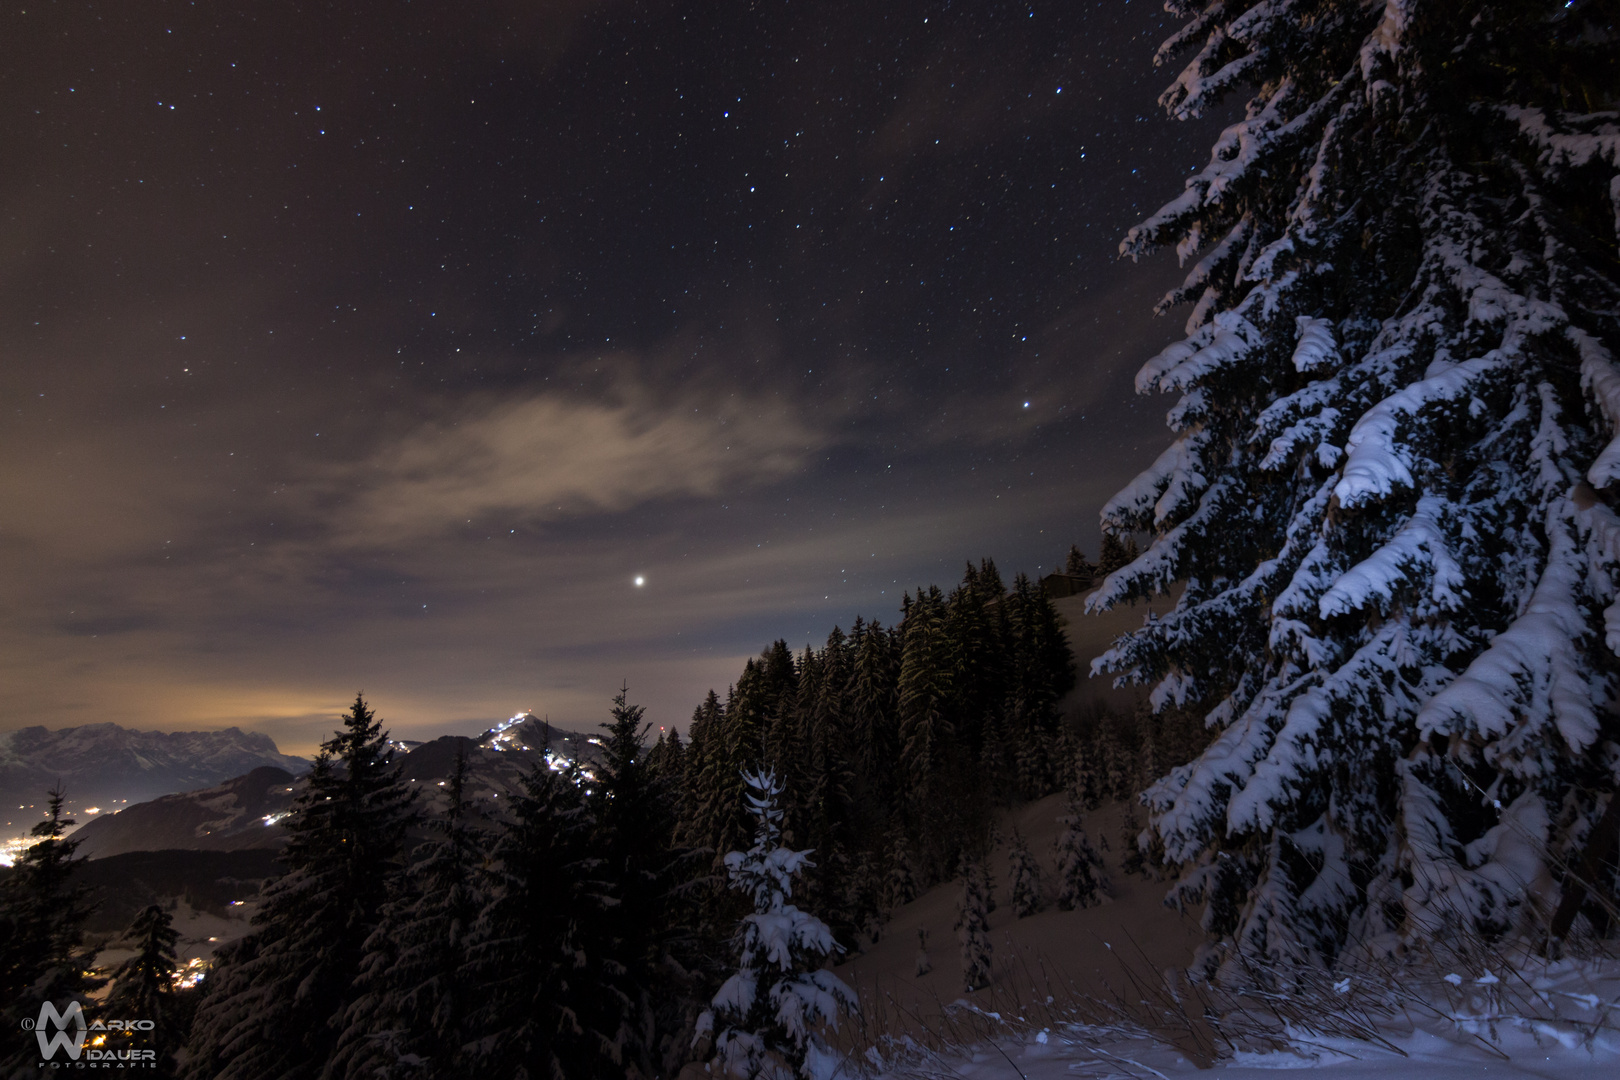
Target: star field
{"type": "Point", "coordinates": [487, 358]}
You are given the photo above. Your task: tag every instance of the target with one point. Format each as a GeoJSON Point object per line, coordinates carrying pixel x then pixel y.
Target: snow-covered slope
{"type": "Point", "coordinates": [1079, 1054]}
{"type": "Point", "coordinates": [240, 813]}
{"type": "Point", "coordinates": [1092, 993]}
{"type": "Point", "coordinates": [1084, 945]}
{"type": "Point", "coordinates": [104, 763]}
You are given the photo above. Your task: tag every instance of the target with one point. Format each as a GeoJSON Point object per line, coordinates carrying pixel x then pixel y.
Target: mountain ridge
{"type": "Point", "coordinates": [244, 811]}
{"type": "Point", "coordinates": [107, 763]}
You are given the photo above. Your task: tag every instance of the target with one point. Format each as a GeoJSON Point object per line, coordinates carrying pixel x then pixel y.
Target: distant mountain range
{"type": "Point", "coordinates": [244, 812]}
{"type": "Point", "coordinates": [104, 764]}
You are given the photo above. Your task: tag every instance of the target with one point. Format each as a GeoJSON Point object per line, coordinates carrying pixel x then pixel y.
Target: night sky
{"type": "Point", "coordinates": [384, 346]}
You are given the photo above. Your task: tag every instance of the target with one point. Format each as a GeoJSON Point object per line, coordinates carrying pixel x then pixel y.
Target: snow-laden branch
{"type": "Point", "coordinates": [1418, 543]}
{"type": "Point", "coordinates": [1377, 459]}
{"type": "Point", "coordinates": [1601, 381]}
{"type": "Point", "coordinates": [1532, 672]}
{"type": "Point", "coordinates": [1225, 341]}
{"type": "Point", "coordinates": [1162, 489]}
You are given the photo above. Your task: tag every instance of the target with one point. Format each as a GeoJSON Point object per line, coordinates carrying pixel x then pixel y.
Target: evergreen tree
{"type": "Point", "coordinates": [631, 840]}
{"type": "Point", "coordinates": [926, 666]}
{"type": "Point", "coordinates": [1118, 762]}
{"type": "Point", "coordinates": [973, 927]}
{"type": "Point", "coordinates": [701, 804]}
{"type": "Point", "coordinates": [143, 985]}
{"type": "Point", "coordinates": [413, 995]}
{"type": "Point", "coordinates": [667, 760]}
{"type": "Point", "coordinates": [923, 963]}
{"type": "Point", "coordinates": [927, 739]}
{"type": "Point", "coordinates": [901, 885]}
{"type": "Point", "coordinates": [1113, 556]}
{"type": "Point", "coordinates": [1147, 757]}
{"type": "Point", "coordinates": [987, 880]}
{"type": "Point", "coordinates": [769, 1012]}
{"type": "Point", "coordinates": [1075, 565]}
{"type": "Point", "coordinates": [873, 702]}
{"type": "Point", "coordinates": [864, 894]}
{"type": "Point", "coordinates": [1131, 860]}
{"type": "Point", "coordinates": [1024, 876]}
{"type": "Point", "coordinates": [44, 910]}
{"type": "Point", "coordinates": [828, 812]}
{"type": "Point", "coordinates": [998, 765]}
{"type": "Point", "coordinates": [977, 632]}
{"type": "Point", "coordinates": [1079, 885]}
{"type": "Point", "coordinates": [535, 984]}
{"type": "Point", "coordinates": [1048, 645]}
{"type": "Point", "coordinates": [787, 739]}
{"type": "Point", "coordinates": [1389, 493]}
{"type": "Point", "coordinates": [989, 582]}
{"type": "Point", "coordinates": [279, 1013]}
{"type": "Point", "coordinates": [767, 689]}
{"type": "Point", "coordinates": [1086, 783]}
{"type": "Point", "coordinates": [1042, 672]}
{"type": "Point", "coordinates": [42, 914]}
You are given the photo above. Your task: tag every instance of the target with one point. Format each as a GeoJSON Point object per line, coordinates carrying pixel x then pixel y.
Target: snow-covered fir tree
{"type": "Point", "coordinates": [863, 893]}
{"type": "Point", "coordinates": [1147, 758]}
{"type": "Point", "coordinates": [1390, 495]}
{"type": "Point", "coordinates": [900, 886]}
{"type": "Point", "coordinates": [766, 1016]}
{"type": "Point", "coordinates": [973, 927]}
{"type": "Point", "coordinates": [1118, 767]}
{"type": "Point", "coordinates": [980, 864]}
{"type": "Point", "coordinates": [1024, 877]}
{"type": "Point", "coordinates": [276, 996]}
{"type": "Point", "coordinates": [1079, 883]}
{"type": "Point", "coordinates": [1086, 782]}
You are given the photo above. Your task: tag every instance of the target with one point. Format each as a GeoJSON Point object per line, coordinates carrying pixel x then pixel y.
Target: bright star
{"type": "Point", "coordinates": [640, 581]}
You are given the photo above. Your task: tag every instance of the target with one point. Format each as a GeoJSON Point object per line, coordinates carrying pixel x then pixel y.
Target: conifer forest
{"type": "Point", "coordinates": [1376, 711]}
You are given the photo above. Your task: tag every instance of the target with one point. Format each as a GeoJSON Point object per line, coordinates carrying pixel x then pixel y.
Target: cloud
{"type": "Point", "coordinates": [550, 456]}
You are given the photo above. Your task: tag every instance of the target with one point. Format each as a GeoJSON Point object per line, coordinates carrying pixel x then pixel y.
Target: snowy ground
{"type": "Point", "coordinates": [1548, 1020]}
{"type": "Point", "coordinates": [1470, 1016]}
{"type": "Point", "coordinates": [1074, 950]}
{"type": "Point", "coordinates": [1419, 1053]}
